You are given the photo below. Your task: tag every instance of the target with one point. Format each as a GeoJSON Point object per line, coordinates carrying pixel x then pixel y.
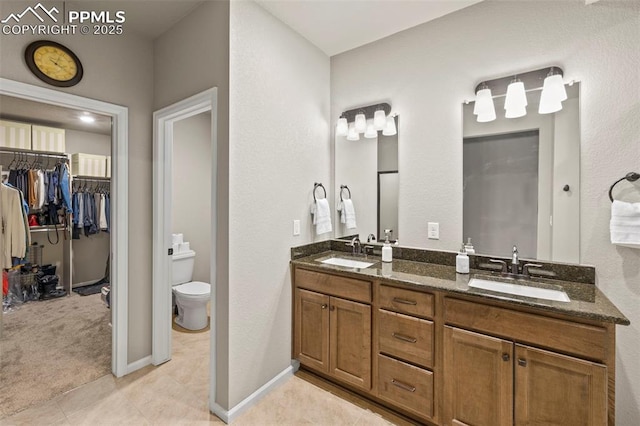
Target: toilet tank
{"type": "Point", "coordinates": [183, 267]}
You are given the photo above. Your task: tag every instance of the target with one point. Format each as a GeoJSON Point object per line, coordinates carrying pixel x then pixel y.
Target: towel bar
{"type": "Point", "coordinates": [316, 185]}
{"type": "Point", "coordinates": [631, 177]}
{"type": "Point", "coordinates": [342, 187]}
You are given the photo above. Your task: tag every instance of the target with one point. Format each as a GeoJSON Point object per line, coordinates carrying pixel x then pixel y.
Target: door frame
{"type": "Point", "coordinates": [119, 250]}
{"type": "Point", "coordinates": [163, 122]}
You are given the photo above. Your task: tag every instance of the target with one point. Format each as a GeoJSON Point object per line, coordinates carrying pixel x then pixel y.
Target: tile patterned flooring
{"type": "Point", "coordinates": [176, 393]}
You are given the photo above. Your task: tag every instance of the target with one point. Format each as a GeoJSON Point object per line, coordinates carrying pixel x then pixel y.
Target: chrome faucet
{"type": "Point", "coordinates": [371, 237]}
{"type": "Point", "coordinates": [355, 244]}
{"type": "Point", "coordinates": [515, 262]}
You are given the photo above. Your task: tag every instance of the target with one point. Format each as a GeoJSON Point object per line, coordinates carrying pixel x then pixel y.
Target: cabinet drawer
{"type": "Point", "coordinates": [334, 285]}
{"type": "Point", "coordinates": [565, 336]}
{"type": "Point", "coordinates": [405, 337]}
{"type": "Point", "coordinates": [405, 386]}
{"type": "Point", "coordinates": [406, 301]}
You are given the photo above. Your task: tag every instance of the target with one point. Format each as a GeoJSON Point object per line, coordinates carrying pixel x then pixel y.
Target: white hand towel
{"type": "Point", "coordinates": [625, 224]}
{"type": "Point", "coordinates": [349, 214]}
{"type": "Point", "coordinates": [322, 216]}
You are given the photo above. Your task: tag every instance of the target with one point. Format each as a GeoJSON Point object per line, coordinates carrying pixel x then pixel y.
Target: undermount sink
{"type": "Point", "coordinates": [520, 290]}
{"type": "Point", "coordinates": [349, 263]}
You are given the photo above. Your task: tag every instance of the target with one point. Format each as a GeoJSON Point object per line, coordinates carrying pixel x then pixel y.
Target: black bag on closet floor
{"type": "Point", "coordinates": [47, 284]}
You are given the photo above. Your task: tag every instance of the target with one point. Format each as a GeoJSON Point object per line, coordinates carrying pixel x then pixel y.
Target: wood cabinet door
{"type": "Point", "coordinates": [350, 343]}
{"type": "Point", "coordinates": [311, 329]}
{"type": "Point", "coordinates": [554, 389]}
{"type": "Point", "coordinates": [478, 379]}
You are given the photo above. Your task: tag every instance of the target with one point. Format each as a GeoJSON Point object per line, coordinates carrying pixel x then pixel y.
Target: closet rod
{"type": "Point", "coordinates": [92, 178]}
{"type": "Point", "coordinates": [9, 151]}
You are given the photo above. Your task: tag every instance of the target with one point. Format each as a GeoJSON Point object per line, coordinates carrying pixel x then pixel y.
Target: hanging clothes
{"type": "Point", "coordinates": [14, 228]}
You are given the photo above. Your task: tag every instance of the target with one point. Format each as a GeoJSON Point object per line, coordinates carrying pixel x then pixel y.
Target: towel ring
{"type": "Point", "coordinates": [315, 186]}
{"type": "Point", "coordinates": [631, 177]}
{"type": "Point", "coordinates": [343, 187]}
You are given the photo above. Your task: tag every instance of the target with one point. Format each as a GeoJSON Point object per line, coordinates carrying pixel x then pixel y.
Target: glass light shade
{"type": "Point", "coordinates": [352, 135]}
{"type": "Point", "coordinates": [516, 111]}
{"type": "Point", "coordinates": [371, 132]}
{"type": "Point", "coordinates": [484, 108]}
{"type": "Point", "coordinates": [516, 96]}
{"type": "Point", "coordinates": [342, 129]}
{"type": "Point", "coordinates": [361, 123]}
{"type": "Point", "coordinates": [554, 85]}
{"type": "Point", "coordinates": [548, 104]}
{"type": "Point", "coordinates": [379, 120]}
{"type": "Point", "coordinates": [390, 128]}
{"type": "Point", "coordinates": [484, 103]}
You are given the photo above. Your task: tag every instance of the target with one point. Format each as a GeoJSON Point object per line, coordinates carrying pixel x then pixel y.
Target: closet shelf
{"type": "Point", "coordinates": [96, 178]}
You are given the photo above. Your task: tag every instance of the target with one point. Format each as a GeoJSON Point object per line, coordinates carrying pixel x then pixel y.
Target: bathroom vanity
{"type": "Point", "coordinates": [416, 338]}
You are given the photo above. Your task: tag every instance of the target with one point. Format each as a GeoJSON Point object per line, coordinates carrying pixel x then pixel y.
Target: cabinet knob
{"type": "Point", "coordinates": [522, 362]}
{"type": "Point", "coordinates": [332, 308]}
{"type": "Point", "coordinates": [505, 357]}
{"type": "Point", "coordinates": [324, 306]}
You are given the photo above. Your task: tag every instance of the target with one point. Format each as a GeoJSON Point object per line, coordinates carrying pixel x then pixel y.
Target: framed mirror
{"type": "Point", "coordinates": [369, 167]}
{"type": "Point", "coordinates": [521, 181]}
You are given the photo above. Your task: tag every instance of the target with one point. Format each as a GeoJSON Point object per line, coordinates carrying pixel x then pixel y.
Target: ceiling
{"type": "Point", "coordinates": [335, 26]}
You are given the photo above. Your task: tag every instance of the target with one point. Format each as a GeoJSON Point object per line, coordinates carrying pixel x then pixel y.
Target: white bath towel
{"type": "Point", "coordinates": [625, 224]}
{"type": "Point", "coordinates": [348, 214]}
{"type": "Point", "coordinates": [321, 216]}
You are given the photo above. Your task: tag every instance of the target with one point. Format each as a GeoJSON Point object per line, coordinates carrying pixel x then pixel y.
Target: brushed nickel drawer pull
{"type": "Point", "coordinates": [404, 301]}
{"type": "Point", "coordinates": [404, 338]}
{"type": "Point", "coordinates": [403, 386]}
{"type": "Point", "coordinates": [522, 362]}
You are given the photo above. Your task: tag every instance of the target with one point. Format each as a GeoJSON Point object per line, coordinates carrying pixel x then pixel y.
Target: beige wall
{"type": "Point", "coordinates": [119, 70]}
{"type": "Point", "coordinates": [279, 146]}
{"type": "Point", "coordinates": [191, 57]}
{"type": "Point", "coordinates": [191, 192]}
{"type": "Point", "coordinates": [428, 71]}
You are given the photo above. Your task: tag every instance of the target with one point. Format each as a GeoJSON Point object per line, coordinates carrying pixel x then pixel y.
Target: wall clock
{"type": "Point", "coordinates": [53, 63]}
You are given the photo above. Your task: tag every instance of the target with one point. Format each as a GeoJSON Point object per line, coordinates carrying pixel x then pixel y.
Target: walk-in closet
{"type": "Point", "coordinates": [55, 329]}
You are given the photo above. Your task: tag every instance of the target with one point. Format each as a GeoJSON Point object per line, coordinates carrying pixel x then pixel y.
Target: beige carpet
{"type": "Point", "coordinates": [50, 347]}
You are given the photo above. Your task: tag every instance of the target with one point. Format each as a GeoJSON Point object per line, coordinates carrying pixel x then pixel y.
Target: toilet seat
{"type": "Point", "coordinates": [193, 289]}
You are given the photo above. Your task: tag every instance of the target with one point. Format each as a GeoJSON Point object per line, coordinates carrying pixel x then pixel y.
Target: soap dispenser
{"type": "Point", "coordinates": [469, 247]}
{"type": "Point", "coordinates": [387, 251]}
{"type": "Point", "coordinates": [462, 261]}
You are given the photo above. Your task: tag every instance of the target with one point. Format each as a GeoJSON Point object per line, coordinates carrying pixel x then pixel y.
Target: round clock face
{"type": "Point", "coordinates": [53, 63]}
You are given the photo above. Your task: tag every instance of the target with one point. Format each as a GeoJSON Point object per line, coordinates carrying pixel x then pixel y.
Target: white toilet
{"type": "Point", "coordinates": [191, 296]}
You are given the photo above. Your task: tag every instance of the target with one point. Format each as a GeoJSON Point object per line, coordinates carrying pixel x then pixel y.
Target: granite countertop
{"type": "Point", "coordinates": [587, 301]}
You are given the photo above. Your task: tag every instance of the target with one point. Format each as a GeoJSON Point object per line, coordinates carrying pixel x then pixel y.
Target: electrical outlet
{"type": "Point", "coordinates": [296, 228]}
{"type": "Point", "coordinates": [433, 230]}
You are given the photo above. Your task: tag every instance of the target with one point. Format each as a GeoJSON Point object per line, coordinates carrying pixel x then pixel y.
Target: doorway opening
{"type": "Point", "coordinates": [173, 128]}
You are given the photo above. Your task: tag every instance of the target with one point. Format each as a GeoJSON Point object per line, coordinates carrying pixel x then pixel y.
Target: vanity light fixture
{"type": "Point", "coordinates": [553, 93]}
{"type": "Point", "coordinates": [342, 129]}
{"type": "Point", "coordinates": [361, 122]}
{"type": "Point", "coordinates": [390, 127]}
{"type": "Point", "coordinates": [484, 108]}
{"type": "Point", "coordinates": [87, 118]}
{"type": "Point", "coordinates": [549, 79]}
{"type": "Point", "coordinates": [371, 132]}
{"type": "Point", "coordinates": [353, 135]}
{"type": "Point", "coordinates": [515, 104]}
{"type": "Point", "coordinates": [368, 120]}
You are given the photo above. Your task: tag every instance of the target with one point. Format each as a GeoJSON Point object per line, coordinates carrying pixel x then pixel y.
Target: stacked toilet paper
{"type": "Point", "coordinates": [179, 245]}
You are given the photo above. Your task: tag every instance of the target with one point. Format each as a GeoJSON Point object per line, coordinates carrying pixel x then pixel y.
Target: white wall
{"type": "Point", "coordinates": [428, 71]}
{"type": "Point", "coordinates": [279, 146]}
{"type": "Point", "coordinates": [191, 190]}
{"type": "Point", "coordinates": [126, 80]}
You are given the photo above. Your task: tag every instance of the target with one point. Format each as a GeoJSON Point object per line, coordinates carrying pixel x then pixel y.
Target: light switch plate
{"type": "Point", "coordinates": [433, 230]}
{"type": "Point", "coordinates": [296, 228]}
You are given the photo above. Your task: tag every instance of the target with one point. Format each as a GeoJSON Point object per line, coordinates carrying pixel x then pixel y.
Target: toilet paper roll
{"type": "Point", "coordinates": [177, 238]}
{"type": "Point", "coordinates": [176, 248]}
{"type": "Point", "coordinates": [184, 247]}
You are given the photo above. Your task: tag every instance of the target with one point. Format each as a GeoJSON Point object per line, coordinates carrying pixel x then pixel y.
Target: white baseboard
{"type": "Point", "coordinates": [228, 416]}
{"type": "Point", "coordinates": [137, 365]}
